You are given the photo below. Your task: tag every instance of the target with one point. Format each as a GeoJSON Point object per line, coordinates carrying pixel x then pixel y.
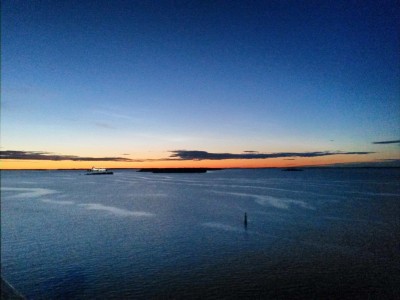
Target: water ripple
{"type": "Point", "coordinates": [60, 202]}
{"type": "Point", "coordinates": [24, 193]}
{"type": "Point", "coordinates": [116, 211]}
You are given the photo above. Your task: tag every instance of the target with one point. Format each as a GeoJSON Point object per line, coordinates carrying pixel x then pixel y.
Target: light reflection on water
{"type": "Point", "coordinates": [311, 234]}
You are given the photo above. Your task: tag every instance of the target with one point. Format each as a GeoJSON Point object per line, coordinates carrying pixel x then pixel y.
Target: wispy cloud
{"type": "Point", "coordinates": [376, 163]}
{"type": "Point", "coordinates": [38, 155]}
{"type": "Point", "coordinates": [386, 142]}
{"type": "Point", "coordinates": [104, 125]}
{"type": "Point", "coordinates": [204, 155]}
{"type": "Point", "coordinates": [177, 155]}
{"type": "Point", "coordinates": [390, 159]}
{"type": "Point", "coordinates": [110, 113]}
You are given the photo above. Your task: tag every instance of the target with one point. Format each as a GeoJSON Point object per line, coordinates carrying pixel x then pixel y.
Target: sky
{"type": "Point", "coordinates": [132, 84]}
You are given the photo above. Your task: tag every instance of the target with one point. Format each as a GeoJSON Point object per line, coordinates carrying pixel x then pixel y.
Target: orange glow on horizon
{"type": "Point", "coordinates": [228, 163]}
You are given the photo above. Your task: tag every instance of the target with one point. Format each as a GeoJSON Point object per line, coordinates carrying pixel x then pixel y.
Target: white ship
{"type": "Point", "coordinates": [98, 171]}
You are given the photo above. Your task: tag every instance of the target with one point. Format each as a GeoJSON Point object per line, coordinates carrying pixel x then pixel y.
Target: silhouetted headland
{"type": "Point", "coordinates": [292, 169]}
{"type": "Point", "coordinates": [178, 170]}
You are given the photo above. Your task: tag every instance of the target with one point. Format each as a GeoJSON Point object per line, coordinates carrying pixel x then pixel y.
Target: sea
{"type": "Point", "coordinates": [323, 233]}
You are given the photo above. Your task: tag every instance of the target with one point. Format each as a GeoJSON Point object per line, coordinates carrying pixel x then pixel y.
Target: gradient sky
{"type": "Point", "coordinates": [143, 83]}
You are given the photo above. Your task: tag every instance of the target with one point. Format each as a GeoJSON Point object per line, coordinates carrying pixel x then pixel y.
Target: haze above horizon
{"type": "Point", "coordinates": [136, 84]}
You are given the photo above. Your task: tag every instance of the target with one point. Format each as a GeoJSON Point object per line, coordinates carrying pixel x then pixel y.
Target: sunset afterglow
{"type": "Point", "coordinates": [244, 85]}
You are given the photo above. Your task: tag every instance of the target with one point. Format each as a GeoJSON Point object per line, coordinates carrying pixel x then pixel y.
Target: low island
{"type": "Point", "coordinates": [178, 170]}
{"type": "Point", "coordinates": [292, 169]}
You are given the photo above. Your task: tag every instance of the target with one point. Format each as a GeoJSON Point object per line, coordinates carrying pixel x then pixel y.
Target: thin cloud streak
{"type": "Point", "coordinates": [204, 155]}
{"type": "Point", "coordinates": [387, 142]}
{"type": "Point", "coordinates": [177, 155]}
{"type": "Point", "coordinates": [104, 125]}
{"type": "Point", "coordinates": [114, 115]}
{"type": "Point", "coordinates": [39, 155]}
{"type": "Point", "coordinates": [382, 163]}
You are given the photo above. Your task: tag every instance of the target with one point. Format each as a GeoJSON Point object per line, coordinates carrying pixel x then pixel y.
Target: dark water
{"type": "Point", "coordinates": [315, 234]}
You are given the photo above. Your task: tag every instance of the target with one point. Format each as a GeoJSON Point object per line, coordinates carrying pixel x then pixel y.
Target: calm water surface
{"type": "Point", "coordinates": [315, 234]}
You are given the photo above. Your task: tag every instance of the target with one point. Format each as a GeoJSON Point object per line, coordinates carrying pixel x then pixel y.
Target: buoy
{"type": "Point", "coordinates": [245, 220]}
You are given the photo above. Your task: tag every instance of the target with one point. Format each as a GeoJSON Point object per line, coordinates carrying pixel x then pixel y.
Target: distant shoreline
{"type": "Point", "coordinates": [210, 169]}
{"type": "Point", "coordinates": [178, 170]}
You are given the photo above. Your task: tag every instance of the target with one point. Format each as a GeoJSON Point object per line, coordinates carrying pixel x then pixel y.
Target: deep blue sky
{"type": "Point", "coordinates": [222, 76]}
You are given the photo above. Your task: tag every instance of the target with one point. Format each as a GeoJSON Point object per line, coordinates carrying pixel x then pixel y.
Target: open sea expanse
{"type": "Point", "coordinates": [317, 234]}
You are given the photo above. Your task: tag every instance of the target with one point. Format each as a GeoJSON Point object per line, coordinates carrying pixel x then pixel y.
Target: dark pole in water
{"type": "Point", "coordinates": [245, 220]}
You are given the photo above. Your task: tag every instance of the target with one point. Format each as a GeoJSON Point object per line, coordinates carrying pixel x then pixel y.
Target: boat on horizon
{"type": "Point", "coordinates": [98, 171]}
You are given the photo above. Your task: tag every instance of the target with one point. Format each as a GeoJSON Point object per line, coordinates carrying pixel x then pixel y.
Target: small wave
{"type": "Point", "coordinates": [319, 245]}
{"type": "Point", "coordinates": [116, 211]}
{"type": "Point", "coordinates": [341, 219]}
{"type": "Point", "coordinates": [265, 200]}
{"type": "Point", "coordinates": [23, 193]}
{"type": "Point", "coordinates": [374, 194]}
{"type": "Point", "coordinates": [283, 203]}
{"type": "Point", "coordinates": [225, 227]}
{"type": "Point", "coordinates": [271, 201]}
{"type": "Point", "coordinates": [60, 202]}
{"type": "Point", "coordinates": [222, 226]}
{"type": "Point", "coordinates": [155, 195]}
{"type": "Point", "coordinates": [266, 188]}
